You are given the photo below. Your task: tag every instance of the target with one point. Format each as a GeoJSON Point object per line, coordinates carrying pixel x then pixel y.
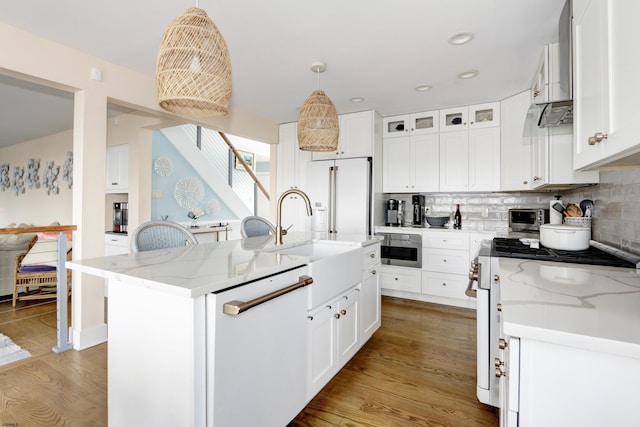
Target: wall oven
{"type": "Point", "coordinates": [401, 249]}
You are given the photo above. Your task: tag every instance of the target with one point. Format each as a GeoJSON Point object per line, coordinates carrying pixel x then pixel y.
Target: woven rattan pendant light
{"type": "Point", "coordinates": [193, 71]}
{"type": "Point", "coordinates": [318, 126]}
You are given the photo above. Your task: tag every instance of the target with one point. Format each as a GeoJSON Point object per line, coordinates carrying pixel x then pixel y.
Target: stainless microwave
{"type": "Point", "coordinates": [528, 219]}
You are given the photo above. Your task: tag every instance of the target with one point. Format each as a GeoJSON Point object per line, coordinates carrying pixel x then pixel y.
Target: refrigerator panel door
{"type": "Point", "coordinates": [317, 188]}
{"type": "Point", "coordinates": [353, 196]}
{"type": "Point", "coordinates": [352, 201]}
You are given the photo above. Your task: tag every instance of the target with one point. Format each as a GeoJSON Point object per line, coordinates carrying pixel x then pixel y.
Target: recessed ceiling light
{"type": "Point", "coordinates": [460, 38]}
{"type": "Point", "coordinates": [468, 74]}
{"type": "Point", "coordinates": [422, 88]}
{"type": "Point", "coordinates": [356, 99]}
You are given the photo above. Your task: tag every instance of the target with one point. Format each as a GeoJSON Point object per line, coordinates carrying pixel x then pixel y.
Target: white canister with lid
{"type": "Point", "coordinates": [565, 237]}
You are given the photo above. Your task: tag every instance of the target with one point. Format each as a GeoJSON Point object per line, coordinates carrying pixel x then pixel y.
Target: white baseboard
{"type": "Point", "coordinates": [86, 338]}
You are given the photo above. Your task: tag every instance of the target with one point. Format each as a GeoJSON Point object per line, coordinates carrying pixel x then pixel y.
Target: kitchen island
{"type": "Point", "coordinates": [174, 356]}
{"type": "Point", "coordinates": [572, 335]}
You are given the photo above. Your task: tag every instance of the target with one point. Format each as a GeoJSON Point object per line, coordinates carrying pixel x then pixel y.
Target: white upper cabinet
{"type": "Point", "coordinates": [117, 170]}
{"type": "Point", "coordinates": [470, 156]}
{"type": "Point", "coordinates": [472, 117]}
{"type": "Point", "coordinates": [606, 83]}
{"type": "Point", "coordinates": [356, 137]}
{"type": "Point", "coordinates": [453, 119]}
{"type": "Point", "coordinates": [411, 164]}
{"type": "Point", "coordinates": [484, 115]}
{"type": "Point", "coordinates": [515, 149]}
{"type": "Point", "coordinates": [411, 124]}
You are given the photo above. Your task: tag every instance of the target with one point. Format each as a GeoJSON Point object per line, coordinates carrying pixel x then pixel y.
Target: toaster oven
{"type": "Point", "coordinates": [528, 219]}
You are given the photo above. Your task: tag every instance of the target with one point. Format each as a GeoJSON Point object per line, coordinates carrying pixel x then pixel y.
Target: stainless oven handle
{"type": "Point", "coordinates": [235, 307]}
{"type": "Point", "coordinates": [470, 292]}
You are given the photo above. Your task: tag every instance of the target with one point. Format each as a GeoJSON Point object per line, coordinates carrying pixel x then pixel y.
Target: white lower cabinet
{"type": "Point", "coordinates": [370, 298]}
{"type": "Point", "coordinates": [548, 384]}
{"type": "Point", "coordinates": [116, 244]}
{"type": "Point", "coordinates": [443, 284]}
{"type": "Point", "coordinates": [333, 338]}
{"type": "Point", "coordinates": [443, 277]}
{"type": "Point", "coordinates": [405, 279]}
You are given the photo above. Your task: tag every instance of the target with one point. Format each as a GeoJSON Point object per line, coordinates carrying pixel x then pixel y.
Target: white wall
{"type": "Point", "coordinates": [35, 59]}
{"type": "Point", "coordinates": [35, 206]}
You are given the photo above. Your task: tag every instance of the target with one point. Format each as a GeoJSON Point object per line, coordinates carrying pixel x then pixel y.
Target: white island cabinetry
{"type": "Point", "coordinates": [204, 332]}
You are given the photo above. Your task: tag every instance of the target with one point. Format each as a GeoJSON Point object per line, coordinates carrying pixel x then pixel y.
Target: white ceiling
{"type": "Point", "coordinates": [376, 49]}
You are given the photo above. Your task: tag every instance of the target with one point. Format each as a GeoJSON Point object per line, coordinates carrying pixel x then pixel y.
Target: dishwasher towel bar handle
{"type": "Point", "coordinates": [234, 307]}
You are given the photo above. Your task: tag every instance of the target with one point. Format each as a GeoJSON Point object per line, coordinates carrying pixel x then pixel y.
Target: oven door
{"type": "Point", "coordinates": [404, 250]}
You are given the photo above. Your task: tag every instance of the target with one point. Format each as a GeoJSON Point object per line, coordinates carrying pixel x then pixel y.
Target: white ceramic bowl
{"type": "Point", "coordinates": [566, 237]}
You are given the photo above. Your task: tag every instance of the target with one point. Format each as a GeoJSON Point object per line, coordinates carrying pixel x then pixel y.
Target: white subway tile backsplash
{"type": "Point", "coordinates": [616, 216]}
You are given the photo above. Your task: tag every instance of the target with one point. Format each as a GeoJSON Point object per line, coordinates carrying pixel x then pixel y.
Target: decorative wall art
{"type": "Point", "coordinates": [163, 166]}
{"type": "Point", "coordinates": [67, 170]}
{"type": "Point", "coordinates": [247, 157]}
{"type": "Point", "coordinates": [17, 185]}
{"type": "Point", "coordinates": [189, 192]}
{"type": "Point", "coordinates": [33, 179]}
{"type": "Point", "coordinates": [50, 179]}
{"type": "Point", "coordinates": [5, 182]}
{"type": "Point", "coordinates": [213, 207]}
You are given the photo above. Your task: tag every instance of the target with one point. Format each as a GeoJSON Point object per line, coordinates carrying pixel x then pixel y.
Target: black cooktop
{"type": "Point", "coordinates": [514, 248]}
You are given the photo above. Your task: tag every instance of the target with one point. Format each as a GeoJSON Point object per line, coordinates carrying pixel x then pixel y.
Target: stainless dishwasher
{"type": "Point", "coordinates": [257, 351]}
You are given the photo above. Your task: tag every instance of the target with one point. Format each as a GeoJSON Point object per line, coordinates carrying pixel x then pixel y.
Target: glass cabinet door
{"type": "Point", "coordinates": [395, 126]}
{"type": "Point", "coordinates": [453, 119]}
{"type": "Point", "coordinates": [484, 115]}
{"type": "Point", "coordinates": [423, 123]}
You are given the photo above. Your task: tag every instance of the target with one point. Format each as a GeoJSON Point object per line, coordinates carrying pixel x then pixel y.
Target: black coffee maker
{"type": "Point", "coordinates": [120, 217]}
{"type": "Point", "coordinates": [418, 210]}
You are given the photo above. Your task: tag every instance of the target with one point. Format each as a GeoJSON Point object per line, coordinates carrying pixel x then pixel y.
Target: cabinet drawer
{"type": "Point", "coordinates": [445, 240]}
{"type": "Point", "coordinates": [116, 240]}
{"type": "Point", "coordinates": [371, 256]}
{"type": "Point", "coordinates": [444, 285]}
{"type": "Point", "coordinates": [399, 279]}
{"type": "Point", "coordinates": [445, 261]}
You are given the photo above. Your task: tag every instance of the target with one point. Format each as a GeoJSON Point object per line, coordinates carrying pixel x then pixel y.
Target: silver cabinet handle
{"type": "Point", "coordinates": [597, 137]}
{"type": "Point", "coordinates": [235, 307]}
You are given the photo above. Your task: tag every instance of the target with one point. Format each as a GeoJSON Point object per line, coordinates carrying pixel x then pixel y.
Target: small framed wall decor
{"type": "Point", "coordinates": [247, 157]}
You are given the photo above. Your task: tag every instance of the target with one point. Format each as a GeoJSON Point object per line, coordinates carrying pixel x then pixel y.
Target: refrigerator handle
{"type": "Point", "coordinates": [333, 175]}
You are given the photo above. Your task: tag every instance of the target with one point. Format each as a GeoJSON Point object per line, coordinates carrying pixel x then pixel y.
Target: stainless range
{"type": "Point", "coordinates": [485, 269]}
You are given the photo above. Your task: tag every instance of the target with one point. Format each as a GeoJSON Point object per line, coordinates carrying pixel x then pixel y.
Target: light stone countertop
{"type": "Point", "coordinates": [590, 307]}
{"type": "Point", "coordinates": [192, 271]}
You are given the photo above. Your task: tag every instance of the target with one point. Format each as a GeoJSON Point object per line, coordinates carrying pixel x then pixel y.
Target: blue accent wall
{"type": "Point", "coordinates": [167, 204]}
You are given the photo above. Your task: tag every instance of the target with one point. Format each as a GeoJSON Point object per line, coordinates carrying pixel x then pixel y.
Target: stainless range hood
{"type": "Point", "coordinates": [551, 114]}
{"type": "Point", "coordinates": [556, 112]}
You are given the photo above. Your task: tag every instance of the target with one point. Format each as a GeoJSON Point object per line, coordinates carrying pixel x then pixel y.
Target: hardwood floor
{"type": "Point", "coordinates": [417, 370]}
{"type": "Point", "coordinates": [49, 389]}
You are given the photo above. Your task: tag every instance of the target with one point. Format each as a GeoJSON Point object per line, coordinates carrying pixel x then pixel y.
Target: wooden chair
{"type": "Point", "coordinates": [159, 235]}
{"type": "Point", "coordinates": [36, 284]}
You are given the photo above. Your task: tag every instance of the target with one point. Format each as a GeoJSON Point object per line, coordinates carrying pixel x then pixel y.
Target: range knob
{"type": "Point", "coordinates": [500, 372]}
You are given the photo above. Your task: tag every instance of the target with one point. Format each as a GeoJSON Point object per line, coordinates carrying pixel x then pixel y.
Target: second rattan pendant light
{"type": "Point", "coordinates": [318, 125]}
{"type": "Point", "coordinates": [193, 71]}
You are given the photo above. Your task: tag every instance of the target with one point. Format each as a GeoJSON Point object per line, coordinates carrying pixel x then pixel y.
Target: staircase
{"type": "Point", "coordinates": [215, 162]}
